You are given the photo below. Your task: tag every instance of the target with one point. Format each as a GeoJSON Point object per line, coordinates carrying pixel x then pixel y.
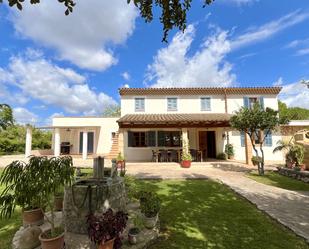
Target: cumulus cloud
{"type": "Point", "coordinates": [24, 116]}
{"type": "Point", "coordinates": [84, 36]}
{"type": "Point", "coordinates": [40, 79]}
{"type": "Point", "coordinates": [173, 66]}
{"type": "Point", "coordinates": [295, 94]}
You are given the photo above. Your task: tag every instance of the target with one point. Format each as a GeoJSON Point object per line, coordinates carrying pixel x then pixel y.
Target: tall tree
{"type": "Point", "coordinates": [112, 111]}
{"type": "Point", "coordinates": [173, 12]}
{"type": "Point", "coordinates": [257, 123]}
{"type": "Point", "coordinates": [6, 116]}
{"type": "Point", "coordinates": [292, 113]}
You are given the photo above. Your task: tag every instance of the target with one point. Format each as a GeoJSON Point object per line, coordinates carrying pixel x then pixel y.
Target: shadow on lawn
{"type": "Point", "coordinates": [230, 167]}
{"type": "Point", "coordinates": [205, 214]}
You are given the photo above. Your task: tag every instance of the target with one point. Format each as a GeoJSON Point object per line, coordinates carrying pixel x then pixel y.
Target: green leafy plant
{"type": "Point", "coordinates": [186, 156]}
{"type": "Point", "coordinates": [22, 187]}
{"type": "Point", "coordinates": [150, 203]}
{"type": "Point", "coordinates": [221, 156]}
{"type": "Point", "coordinates": [256, 160]}
{"type": "Point", "coordinates": [229, 150]}
{"type": "Point", "coordinates": [119, 157]}
{"type": "Point", "coordinates": [297, 154]}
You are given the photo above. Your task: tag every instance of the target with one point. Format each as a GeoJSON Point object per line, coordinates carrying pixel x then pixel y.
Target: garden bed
{"type": "Point", "coordinates": [299, 175]}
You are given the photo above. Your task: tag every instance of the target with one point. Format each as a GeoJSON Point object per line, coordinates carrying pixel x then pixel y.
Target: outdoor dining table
{"type": "Point", "coordinates": [179, 151]}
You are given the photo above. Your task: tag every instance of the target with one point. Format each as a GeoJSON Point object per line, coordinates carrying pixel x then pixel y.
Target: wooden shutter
{"type": "Point", "coordinates": [262, 102]}
{"type": "Point", "coordinates": [268, 139]}
{"type": "Point", "coordinates": [246, 102]}
{"type": "Point", "coordinates": [242, 139]}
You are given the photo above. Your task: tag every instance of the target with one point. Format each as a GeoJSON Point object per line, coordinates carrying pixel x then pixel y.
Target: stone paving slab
{"type": "Point", "coordinates": [290, 208]}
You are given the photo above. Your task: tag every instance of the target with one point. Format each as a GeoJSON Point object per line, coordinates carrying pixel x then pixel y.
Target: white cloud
{"type": "Point", "coordinates": [173, 67]}
{"type": "Point", "coordinates": [40, 79]}
{"type": "Point", "coordinates": [301, 46]}
{"type": "Point", "coordinates": [84, 36]}
{"type": "Point", "coordinates": [239, 2]}
{"type": "Point", "coordinates": [24, 116]}
{"type": "Point", "coordinates": [303, 51]}
{"type": "Point", "coordinates": [279, 82]}
{"type": "Point", "coordinates": [295, 94]}
{"type": "Point", "coordinates": [126, 76]}
{"type": "Point", "coordinates": [269, 29]}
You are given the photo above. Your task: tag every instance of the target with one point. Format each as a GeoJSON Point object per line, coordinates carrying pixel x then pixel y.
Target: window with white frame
{"type": "Point", "coordinates": [205, 104]}
{"type": "Point", "coordinates": [139, 104]}
{"type": "Point", "coordinates": [172, 104]}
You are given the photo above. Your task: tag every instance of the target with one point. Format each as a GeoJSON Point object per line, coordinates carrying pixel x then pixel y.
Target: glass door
{"type": "Point", "coordinates": [90, 144]}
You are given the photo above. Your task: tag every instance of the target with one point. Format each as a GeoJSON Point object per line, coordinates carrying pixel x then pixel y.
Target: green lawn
{"type": "Point", "coordinates": [201, 214]}
{"type": "Point", "coordinates": [274, 179]}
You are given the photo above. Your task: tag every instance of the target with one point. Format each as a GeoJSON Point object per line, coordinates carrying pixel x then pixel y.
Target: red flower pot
{"type": "Point", "coordinates": [107, 245]}
{"type": "Point", "coordinates": [186, 164]}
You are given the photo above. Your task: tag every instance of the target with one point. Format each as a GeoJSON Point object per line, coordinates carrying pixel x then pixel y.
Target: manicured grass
{"type": "Point", "coordinates": [201, 214]}
{"type": "Point", "coordinates": [274, 179]}
{"type": "Point", "coordinates": [206, 214]}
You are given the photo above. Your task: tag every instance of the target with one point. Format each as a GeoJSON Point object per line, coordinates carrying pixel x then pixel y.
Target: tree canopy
{"type": "Point", "coordinates": [6, 116]}
{"type": "Point", "coordinates": [112, 111]}
{"type": "Point", "coordinates": [292, 113]}
{"type": "Point", "coordinates": [257, 123]}
{"type": "Point", "coordinates": [173, 12]}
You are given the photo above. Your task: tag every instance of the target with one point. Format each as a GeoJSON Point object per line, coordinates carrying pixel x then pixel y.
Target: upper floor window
{"type": "Point", "coordinates": [172, 104]}
{"type": "Point", "coordinates": [139, 104]}
{"type": "Point", "coordinates": [205, 104]}
{"type": "Point", "coordinates": [249, 102]}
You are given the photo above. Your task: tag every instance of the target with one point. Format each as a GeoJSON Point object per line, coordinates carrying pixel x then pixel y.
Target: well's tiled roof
{"type": "Point", "coordinates": [199, 90]}
{"type": "Point", "coordinates": [173, 117]}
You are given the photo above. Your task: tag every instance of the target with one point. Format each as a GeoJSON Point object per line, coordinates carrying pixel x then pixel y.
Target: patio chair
{"type": "Point", "coordinates": [164, 156]}
{"type": "Point", "coordinates": [154, 156]}
{"type": "Point", "coordinates": [173, 156]}
{"type": "Point", "coordinates": [193, 153]}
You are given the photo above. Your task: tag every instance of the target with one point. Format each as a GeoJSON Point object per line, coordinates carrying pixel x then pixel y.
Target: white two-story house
{"type": "Point", "coordinates": [156, 123]}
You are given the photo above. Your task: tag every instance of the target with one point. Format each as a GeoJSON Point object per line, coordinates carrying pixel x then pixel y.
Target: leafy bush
{"type": "Point", "coordinates": [107, 226]}
{"type": "Point", "coordinates": [150, 203]}
{"type": "Point", "coordinates": [221, 156]}
{"type": "Point", "coordinates": [229, 150]}
{"type": "Point", "coordinates": [256, 160]}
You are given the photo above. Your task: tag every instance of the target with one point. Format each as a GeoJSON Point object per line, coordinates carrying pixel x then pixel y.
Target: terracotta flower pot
{"type": "Point", "coordinates": [107, 245]}
{"type": "Point", "coordinates": [53, 243]}
{"type": "Point", "coordinates": [58, 203]}
{"type": "Point", "coordinates": [231, 157]}
{"type": "Point", "coordinates": [34, 217]}
{"type": "Point", "coordinates": [186, 164]}
{"type": "Point", "coordinates": [302, 166]}
{"type": "Point", "coordinates": [120, 164]}
{"type": "Point", "coordinates": [290, 164]}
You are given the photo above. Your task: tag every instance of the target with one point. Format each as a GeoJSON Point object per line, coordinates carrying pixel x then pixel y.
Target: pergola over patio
{"type": "Point", "coordinates": [179, 120]}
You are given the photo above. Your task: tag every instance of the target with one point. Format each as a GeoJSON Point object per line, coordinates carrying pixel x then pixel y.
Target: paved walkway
{"type": "Point", "coordinates": [290, 208]}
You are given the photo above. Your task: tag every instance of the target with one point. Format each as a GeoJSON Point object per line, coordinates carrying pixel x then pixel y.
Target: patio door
{"type": "Point", "coordinates": [90, 144]}
{"type": "Point", "coordinates": [207, 144]}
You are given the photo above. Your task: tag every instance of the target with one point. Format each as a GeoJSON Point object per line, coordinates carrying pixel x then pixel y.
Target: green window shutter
{"type": "Point", "coordinates": [151, 139]}
{"type": "Point", "coordinates": [262, 102]}
{"type": "Point", "coordinates": [246, 102]}
{"type": "Point", "coordinates": [130, 139]}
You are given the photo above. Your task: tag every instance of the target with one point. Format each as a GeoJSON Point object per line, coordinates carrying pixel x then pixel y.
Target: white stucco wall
{"type": "Point", "coordinates": [192, 103]}
{"type": "Point", "coordinates": [102, 128]}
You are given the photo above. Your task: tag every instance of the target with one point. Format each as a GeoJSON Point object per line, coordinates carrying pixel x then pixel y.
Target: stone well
{"type": "Point", "coordinates": [91, 195]}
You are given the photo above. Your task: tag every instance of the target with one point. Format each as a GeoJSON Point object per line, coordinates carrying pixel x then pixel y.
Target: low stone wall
{"type": "Point", "coordinates": [299, 175]}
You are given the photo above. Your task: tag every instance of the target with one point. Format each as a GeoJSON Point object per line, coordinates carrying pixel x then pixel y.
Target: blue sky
{"type": "Point", "coordinates": [51, 64]}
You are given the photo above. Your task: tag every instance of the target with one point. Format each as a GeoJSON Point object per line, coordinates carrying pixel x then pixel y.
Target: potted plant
{"type": "Point", "coordinates": [221, 156]}
{"type": "Point", "coordinates": [229, 150]}
{"type": "Point", "coordinates": [22, 188]}
{"type": "Point", "coordinates": [256, 160]}
{"type": "Point", "coordinates": [120, 161]}
{"type": "Point", "coordinates": [186, 160]}
{"type": "Point", "coordinates": [134, 231]}
{"type": "Point", "coordinates": [150, 206]}
{"type": "Point", "coordinates": [105, 229]}
{"type": "Point", "coordinates": [54, 172]}
{"type": "Point", "coordinates": [297, 153]}
{"type": "Point", "coordinates": [285, 147]}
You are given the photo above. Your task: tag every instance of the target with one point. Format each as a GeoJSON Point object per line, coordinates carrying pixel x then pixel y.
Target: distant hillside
{"type": "Point", "coordinates": [293, 113]}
